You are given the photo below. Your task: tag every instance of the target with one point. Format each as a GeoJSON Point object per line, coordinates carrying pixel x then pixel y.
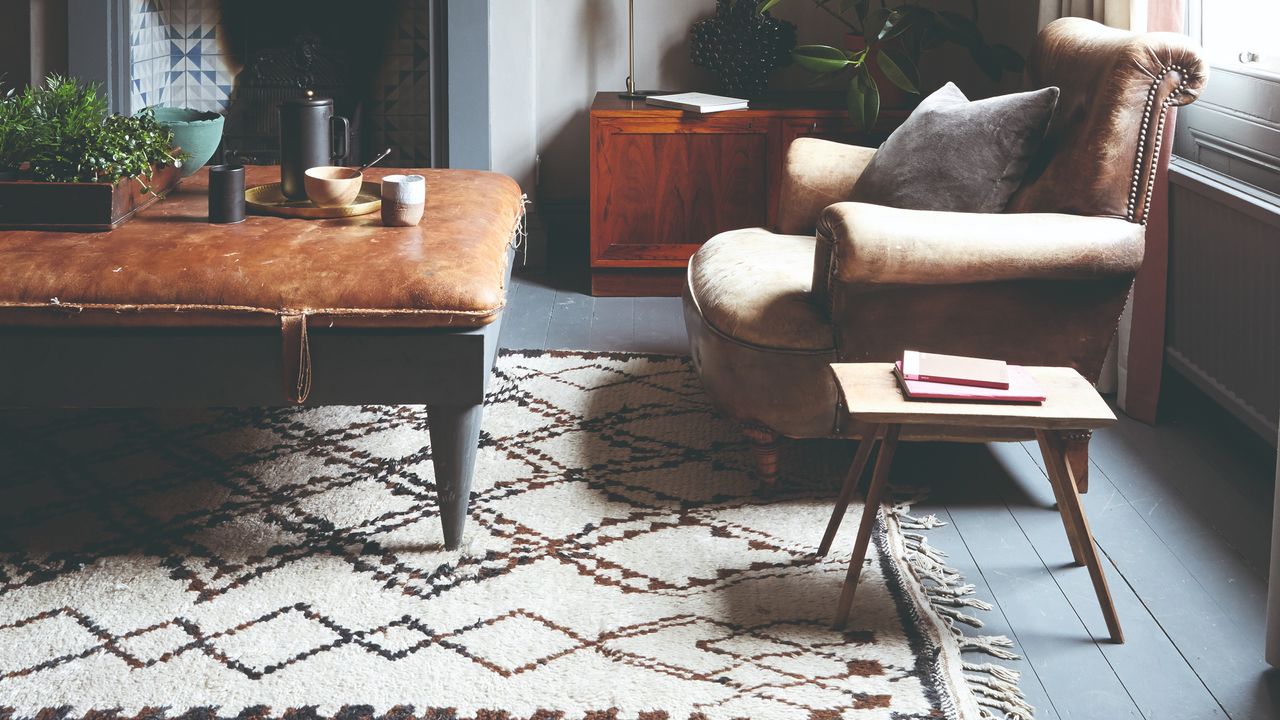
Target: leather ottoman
{"type": "Point", "coordinates": [170, 311]}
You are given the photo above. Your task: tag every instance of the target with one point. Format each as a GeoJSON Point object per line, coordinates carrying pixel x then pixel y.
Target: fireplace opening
{"type": "Point", "coordinates": [284, 49]}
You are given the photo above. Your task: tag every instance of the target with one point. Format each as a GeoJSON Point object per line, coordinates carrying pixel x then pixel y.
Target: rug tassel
{"type": "Point", "coordinates": [993, 645]}
{"type": "Point", "coordinates": [928, 522]}
{"type": "Point", "coordinates": [1001, 672]}
{"type": "Point", "coordinates": [957, 615]}
{"type": "Point", "coordinates": [952, 601]}
{"type": "Point", "coordinates": [955, 591]}
{"type": "Point", "coordinates": [1008, 701]}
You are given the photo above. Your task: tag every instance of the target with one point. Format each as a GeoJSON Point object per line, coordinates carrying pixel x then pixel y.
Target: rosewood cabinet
{"type": "Point", "coordinates": [665, 181]}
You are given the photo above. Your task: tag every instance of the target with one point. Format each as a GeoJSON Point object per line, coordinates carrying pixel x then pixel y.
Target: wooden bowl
{"type": "Point", "coordinates": [332, 187]}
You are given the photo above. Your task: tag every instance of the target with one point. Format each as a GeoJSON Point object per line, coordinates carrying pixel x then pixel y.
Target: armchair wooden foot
{"type": "Point", "coordinates": [764, 445]}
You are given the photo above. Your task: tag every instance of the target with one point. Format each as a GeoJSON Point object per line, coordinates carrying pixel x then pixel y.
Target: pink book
{"type": "Point", "coordinates": [955, 369]}
{"type": "Point", "coordinates": [1022, 389]}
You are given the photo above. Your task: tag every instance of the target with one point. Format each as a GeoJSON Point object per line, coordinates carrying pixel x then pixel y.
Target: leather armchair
{"type": "Point", "coordinates": [1043, 283]}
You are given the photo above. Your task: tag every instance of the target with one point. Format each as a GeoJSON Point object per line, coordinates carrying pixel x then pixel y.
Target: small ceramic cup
{"type": "Point", "coordinates": [404, 197]}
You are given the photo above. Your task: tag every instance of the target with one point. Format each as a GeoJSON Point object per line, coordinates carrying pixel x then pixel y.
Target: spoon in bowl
{"type": "Point", "coordinates": [374, 161]}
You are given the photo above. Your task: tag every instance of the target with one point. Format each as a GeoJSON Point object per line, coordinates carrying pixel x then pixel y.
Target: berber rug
{"type": "Point", "coordinates": [619, 563]}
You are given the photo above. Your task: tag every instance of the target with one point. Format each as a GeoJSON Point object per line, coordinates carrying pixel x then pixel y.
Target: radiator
{"type": "Point", "coordinates": [1223, 330]}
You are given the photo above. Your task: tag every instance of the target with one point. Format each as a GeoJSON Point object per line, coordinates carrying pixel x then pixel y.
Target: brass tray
{"type": "Point", "coordinates": [269, 200]}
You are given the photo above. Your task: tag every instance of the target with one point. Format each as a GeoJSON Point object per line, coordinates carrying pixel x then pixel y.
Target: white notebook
{"type": "Point", "coordinates": [698, 102]}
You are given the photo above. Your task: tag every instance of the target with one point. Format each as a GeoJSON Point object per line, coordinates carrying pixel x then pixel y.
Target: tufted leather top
{"type": "Point", "coordinates": [1101, 152]}
{"type": "Point", "coordinates": [169, 267]}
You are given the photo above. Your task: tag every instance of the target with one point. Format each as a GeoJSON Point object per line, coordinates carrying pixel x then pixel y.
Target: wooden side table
{"type": "Point", "coordinates": [872, 395]}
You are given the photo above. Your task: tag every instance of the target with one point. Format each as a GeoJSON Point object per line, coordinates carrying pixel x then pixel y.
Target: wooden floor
{"type": "Point", "coordinates": [1181, 512]}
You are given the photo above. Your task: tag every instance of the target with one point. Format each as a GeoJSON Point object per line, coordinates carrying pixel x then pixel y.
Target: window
{"type": "Point", "coordinates": [1239, 35]}
{"type": "Point", "coordinates": [1233, 130]}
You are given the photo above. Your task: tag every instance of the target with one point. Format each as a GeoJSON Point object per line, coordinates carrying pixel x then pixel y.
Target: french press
{"type": "Point", "coordinates": [311, 135]}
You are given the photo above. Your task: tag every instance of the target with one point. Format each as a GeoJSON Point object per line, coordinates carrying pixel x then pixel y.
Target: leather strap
{"type": "Point", "coordinates": [296, 356]}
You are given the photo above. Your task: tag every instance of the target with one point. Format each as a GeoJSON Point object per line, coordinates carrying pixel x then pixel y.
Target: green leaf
{"type": "Point", "coordinates": [960, 29]}
{"type": "Point", "coordinates": [856, 100]}
{"type": "Point", "coordinates": [898, 21]}
{"type": "Point", "coordinates": [874, 25]}
{"type": "Point", "coordinates": [820, 58]}
{"type": "Point", "coordinates": [898, 68]}
{"type": "Point", "coordinates": [1008, 58]}
{"type": "Point", "coordinates": [766, 6]}
{"type": "Point", "coordinates": [863, 99]}
{"type": "Point", "coordinates": [871, 111]}
{"type": "Point", "coordinates": [986, 61]}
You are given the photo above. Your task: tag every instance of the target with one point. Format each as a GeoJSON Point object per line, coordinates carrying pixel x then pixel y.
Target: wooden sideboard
{"type": "Point", "coordinates": [665, 181]}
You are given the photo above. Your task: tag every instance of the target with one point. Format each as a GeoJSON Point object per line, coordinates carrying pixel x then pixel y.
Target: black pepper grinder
{"type": "Point", "coordinates": [310, 136]}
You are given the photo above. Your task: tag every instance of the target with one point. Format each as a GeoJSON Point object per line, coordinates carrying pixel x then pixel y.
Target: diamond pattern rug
{"type": "Point", "coordinates": [619, 563]}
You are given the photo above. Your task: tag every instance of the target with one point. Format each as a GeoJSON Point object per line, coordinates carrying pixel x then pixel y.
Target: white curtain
{"type": "Point", "coordinates": [1126, 15]}
{"type": "Point", "coordinates": [1123, 14]}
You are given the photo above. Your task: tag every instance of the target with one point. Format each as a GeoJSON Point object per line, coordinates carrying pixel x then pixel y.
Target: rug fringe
{"type": "Point", "coordinates": [994, 687]}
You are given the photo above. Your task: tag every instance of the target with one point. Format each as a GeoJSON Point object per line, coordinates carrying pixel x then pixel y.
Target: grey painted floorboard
{"type": "Point", "coordinates": [570, 326]}
{"type": "Point", "coordinates": [1074, 671]}
{"type": "Point", "coordinates": [1155, 673]}
{"type": "Point", "coordinates": [613, 324]}
{"type": "Point", "coordinates": [660, 326]}
{"type": "Point", "coordinates": [528, 314]}
{"type": "Point", "coordinates": [1180, 512]}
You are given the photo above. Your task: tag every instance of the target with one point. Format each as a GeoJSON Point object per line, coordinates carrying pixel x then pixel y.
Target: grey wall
{"type": "Point", "coordinates": [469, 82]}
{"type": "Point", "coordinates": [33, 40]}
{"type": "Point", "coordinates": [578, 47]}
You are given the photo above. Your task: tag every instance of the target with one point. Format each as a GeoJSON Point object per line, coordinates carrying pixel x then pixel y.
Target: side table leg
{"type": "Point", "coordinates": [850, 484]}
{"type": "Point", "coordinates": [875, 493]}
{"type": "Point", "coordinates": [1057, 482]}
{"type": "Point", "coordinates": [455, 435]}
{"type": "Point", "coordinates": [1055, 456]}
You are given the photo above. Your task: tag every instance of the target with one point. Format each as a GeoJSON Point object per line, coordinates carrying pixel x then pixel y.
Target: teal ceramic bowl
{"type": "Point", "coordinates": [197, 132]}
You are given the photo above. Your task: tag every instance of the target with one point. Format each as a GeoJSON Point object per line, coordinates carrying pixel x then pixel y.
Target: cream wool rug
{"type": "Point", "coordinates": [619, 564]}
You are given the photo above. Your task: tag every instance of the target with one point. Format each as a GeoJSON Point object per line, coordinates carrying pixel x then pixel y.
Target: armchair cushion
{"type": "Point", "coordinates": [815, 174]}
{"type": "Point", "coordinates": [953, 154]}
{"type": "Point", "coordinates": [755, 286]}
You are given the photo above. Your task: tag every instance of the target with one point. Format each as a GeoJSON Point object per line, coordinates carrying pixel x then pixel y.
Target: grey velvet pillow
{"type": "Point", "coordinates": [954, 154]}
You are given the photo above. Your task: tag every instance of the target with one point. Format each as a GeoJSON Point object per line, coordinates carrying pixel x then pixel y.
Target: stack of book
{"type": "Point", "coordinates": [932, 376]}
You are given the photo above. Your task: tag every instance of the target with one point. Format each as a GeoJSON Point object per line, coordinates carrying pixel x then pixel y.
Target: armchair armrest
{"type": "Point", "coordinates": [884, 245]}
{"type": "Point", "coordinates": [815, 174]}
{"type": "Point", "coordinates": [1034, 288]}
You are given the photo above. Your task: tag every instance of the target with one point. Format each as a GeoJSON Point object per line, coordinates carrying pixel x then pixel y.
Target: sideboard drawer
{"type": "Point", "coordinates": [662, 188]}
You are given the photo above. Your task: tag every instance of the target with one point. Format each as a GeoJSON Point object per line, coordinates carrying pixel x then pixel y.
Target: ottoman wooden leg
{"type": "Point", "coordinates": [875, 494]}
{"type": "Point", "coordinates": [455, 435]}
{"type": "Point", "coordinates": [846, 492]}
{"type": "Point", "coordinates": [1055, 457]}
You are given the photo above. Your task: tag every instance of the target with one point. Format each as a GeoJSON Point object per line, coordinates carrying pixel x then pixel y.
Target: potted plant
{"type": "Point", "coordinates": [80, 165]}
{"type": "Point", "coordinates": [73, 138]}
{"type": "Point", "coordinates": [886, 44]}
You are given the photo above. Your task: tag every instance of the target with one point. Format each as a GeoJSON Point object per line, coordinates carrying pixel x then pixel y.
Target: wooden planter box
{"type": "Point", "coordinates": [88, 207]}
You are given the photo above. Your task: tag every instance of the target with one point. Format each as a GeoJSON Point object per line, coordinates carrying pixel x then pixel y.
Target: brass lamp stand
{"type": "Point", "coordinates": [632, 93]}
